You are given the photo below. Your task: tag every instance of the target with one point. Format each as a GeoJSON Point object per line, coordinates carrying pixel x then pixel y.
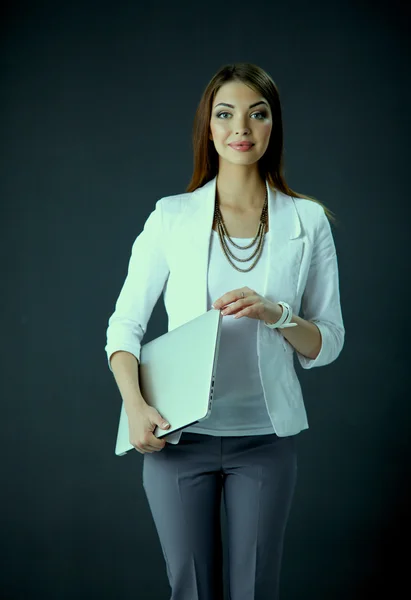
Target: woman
{"type": "Point", "coordinates": [245, 450]}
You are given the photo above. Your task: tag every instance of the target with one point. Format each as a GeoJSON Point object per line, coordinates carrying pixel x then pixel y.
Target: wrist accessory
{"type": "Point", "coordinates": [284, 320]}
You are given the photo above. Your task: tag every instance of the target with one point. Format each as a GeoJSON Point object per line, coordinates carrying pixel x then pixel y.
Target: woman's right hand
{"type": "Point", "coordinates": [141, 424]}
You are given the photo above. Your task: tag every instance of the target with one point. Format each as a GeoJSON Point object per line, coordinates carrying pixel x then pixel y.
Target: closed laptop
{"type": "Point", "coordinates": [177, 375]}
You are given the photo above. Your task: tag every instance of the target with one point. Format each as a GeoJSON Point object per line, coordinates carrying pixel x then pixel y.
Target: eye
{"type": "Point", "coordinates": [262, 114]}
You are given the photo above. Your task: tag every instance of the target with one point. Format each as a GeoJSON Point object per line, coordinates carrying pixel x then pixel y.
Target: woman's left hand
{"type": "Point", "coordinates": [252, 305]}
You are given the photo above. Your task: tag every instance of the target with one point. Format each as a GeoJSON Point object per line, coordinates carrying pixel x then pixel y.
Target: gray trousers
{"type": "Point", "coordinates": [184, 484]}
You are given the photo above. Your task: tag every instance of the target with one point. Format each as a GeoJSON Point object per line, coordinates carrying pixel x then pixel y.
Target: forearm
{"type": "Point", "coordinates": [125, 370]}
{"type": "Point", "coordinates": [306, 337]}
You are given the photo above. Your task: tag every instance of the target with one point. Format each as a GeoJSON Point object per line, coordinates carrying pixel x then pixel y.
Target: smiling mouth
{"type": "Point", "coordinates": [242, 147]}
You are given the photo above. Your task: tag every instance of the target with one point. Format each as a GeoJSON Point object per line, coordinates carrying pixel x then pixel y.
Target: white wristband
{"type": "Point", "coordinates": [284, 320]}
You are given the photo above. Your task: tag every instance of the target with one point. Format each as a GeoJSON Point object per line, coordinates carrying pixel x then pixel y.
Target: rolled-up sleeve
{"type": "Point", "coordinates": [321, 298]}
{"type": "Point", "coordinates": [146, 277]}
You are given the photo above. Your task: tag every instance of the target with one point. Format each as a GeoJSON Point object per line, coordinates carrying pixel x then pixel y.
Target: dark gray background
{"type": "Point", "coordinates": [97, 105]}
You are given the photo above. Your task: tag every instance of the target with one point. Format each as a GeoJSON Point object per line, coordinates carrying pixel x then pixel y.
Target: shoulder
{"type": "Point", "coordinates": [313, 218]}
{"type": "Point", "coordinates": [177, 202]}
{"type": "Point", "coordinates": [178, 207]}
{"type": "Point", "coordinates": [309, 210]}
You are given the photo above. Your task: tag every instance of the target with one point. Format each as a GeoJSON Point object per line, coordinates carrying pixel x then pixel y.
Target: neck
{"type": "Point", "coordinates": [243, 192]}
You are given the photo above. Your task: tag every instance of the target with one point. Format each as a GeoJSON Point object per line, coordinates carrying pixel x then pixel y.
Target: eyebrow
{"type": "Point", "coordinates": [232, 106]}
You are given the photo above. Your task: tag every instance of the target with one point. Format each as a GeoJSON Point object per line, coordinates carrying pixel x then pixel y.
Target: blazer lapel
{"type": "Point", "coordinates": [191, 246]}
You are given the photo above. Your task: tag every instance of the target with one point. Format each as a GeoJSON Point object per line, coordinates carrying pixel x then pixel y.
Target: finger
{"type": "Point", "coordinates": [231, 308]}
{"type": "Point", "coordinates": [149, 449]}
{"type": "Point", "coordinates": [154, 448]}
{"type": "Point", "coordinates": [158, 447]}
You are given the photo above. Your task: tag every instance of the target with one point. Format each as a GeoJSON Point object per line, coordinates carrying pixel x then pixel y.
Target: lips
{"type": "Point", "coordinates": [241, 145]}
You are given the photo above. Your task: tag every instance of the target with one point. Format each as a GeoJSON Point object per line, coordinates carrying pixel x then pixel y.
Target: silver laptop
{"type": "Point", "coordinates": [176, 375]}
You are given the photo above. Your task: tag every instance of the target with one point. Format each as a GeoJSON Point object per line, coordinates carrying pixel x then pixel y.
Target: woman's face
{"type": "Point", "coordinates": [239, 122]}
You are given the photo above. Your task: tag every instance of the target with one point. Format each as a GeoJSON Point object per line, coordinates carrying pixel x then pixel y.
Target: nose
{"type": "Point", "coordinates": [243, 129]}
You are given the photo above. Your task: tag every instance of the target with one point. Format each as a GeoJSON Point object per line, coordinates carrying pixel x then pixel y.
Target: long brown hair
{"type": "Point", "coordinates": [271, 164]}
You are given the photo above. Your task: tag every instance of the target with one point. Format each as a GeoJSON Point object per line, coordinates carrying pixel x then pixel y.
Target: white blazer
{"type": "Point", "coordinates": [171, 256]}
